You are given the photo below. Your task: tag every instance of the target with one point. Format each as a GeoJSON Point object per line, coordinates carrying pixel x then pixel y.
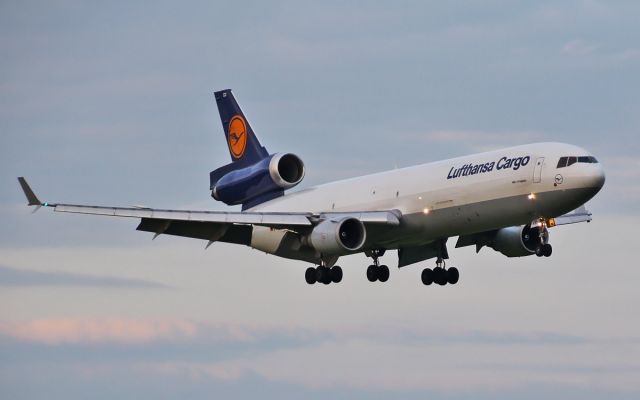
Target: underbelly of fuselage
{"type": "Point", "coordinates": [420, 228]}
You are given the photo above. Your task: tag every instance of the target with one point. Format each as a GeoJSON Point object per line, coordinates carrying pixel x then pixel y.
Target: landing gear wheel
{"type": "Point", "coordinates": [453, 275]}
{"type": "Point", "coordinates": [440, 276]}
{"type": "Point", "coordinates": [427, 276]}
{"type": "Point", "coordinates": [327, 275]}
{"type": "Point", "coordinates": [372, 273]}
{"type": "Point", "coordinates": [547, 250]}
{"type": "Point", "coordinates": [310, 275]}
{"type": "Point", "coordinates": [383, 273]}
{"type": "Point", "coordinates": [539, 251]}
{"type": "Point", "coordinates": [322, 275]}
{"type": "Point", "coordinates": [336, 274]}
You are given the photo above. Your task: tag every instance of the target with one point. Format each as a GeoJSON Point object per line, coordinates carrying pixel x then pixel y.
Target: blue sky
{"type": "Point", "coordinates": [112, 103]}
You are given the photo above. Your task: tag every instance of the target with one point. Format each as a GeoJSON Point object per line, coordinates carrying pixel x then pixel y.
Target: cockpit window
{"type": "Point", "coordinates": [562, 162]}
{"type": "Point", "coordinates": [570, 160]}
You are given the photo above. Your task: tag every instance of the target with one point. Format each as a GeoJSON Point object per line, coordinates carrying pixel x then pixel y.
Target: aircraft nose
{"type": "Point", "coordinates": [593, 180]}
{"type": "Point", "coordinates": [598, 177]}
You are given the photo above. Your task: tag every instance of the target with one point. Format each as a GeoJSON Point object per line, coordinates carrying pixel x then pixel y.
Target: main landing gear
{"type": "Point", "coordinates": [440, 275]}
{"type": "Point", "coordinates": [323, 274]}
{"type": "Point", "coordinates": [375, 271]}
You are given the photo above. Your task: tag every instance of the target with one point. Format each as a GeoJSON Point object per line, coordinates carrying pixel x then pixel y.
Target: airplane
{"type": "Point", "coordinates": [505, 200]}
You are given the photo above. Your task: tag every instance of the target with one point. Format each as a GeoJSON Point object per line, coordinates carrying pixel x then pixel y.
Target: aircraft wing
{"type": "Point", "coordinates": [228, 226]}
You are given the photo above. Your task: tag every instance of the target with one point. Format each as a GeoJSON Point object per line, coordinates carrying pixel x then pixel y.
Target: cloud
{"type": "Point", "coordinates": [81, 331]}
{"type": "Point", "coordinates": [623, 167]}
{"type": "Point", "coordinates": [455, 367]}
{"type": "Point", "coordinates": [622, 189]}
{"type": "Point", "coordinates": [630, 54]}
{"type": "Point", "coordinates": [69, 330]}
{"type": "Point", "coordinates": [473, 135]}
{"type": "Point", "coordinates": [477, 140]}
{"type": "Point", "coordinates": [579, 48]}
{"type": "Point", "coordinates": [605, 56]}
{"type": "Point", "coordinates": [13, 277]}
{"type": "Point", "coordinates": [362, 358]}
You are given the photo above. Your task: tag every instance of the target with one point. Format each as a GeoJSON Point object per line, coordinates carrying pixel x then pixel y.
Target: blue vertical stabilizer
{"type": "Point", "coordinates": [244, 147]}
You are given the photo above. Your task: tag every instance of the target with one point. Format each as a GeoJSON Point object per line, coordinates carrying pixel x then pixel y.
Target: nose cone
{"type": "Point", "coordinates": [597, 177]}
{"type": "Point", "coordinates": [593, 181]}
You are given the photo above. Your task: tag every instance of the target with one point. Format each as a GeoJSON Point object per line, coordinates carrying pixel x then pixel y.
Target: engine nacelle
{"type": "Point", "coordinates": [286, 170]}
{"type": "Point", "coordinates": [268, 177]}
{"type": "Point", "coordinates": [338, 237]}
{"type": "Point", "coordinates": [518, 241]}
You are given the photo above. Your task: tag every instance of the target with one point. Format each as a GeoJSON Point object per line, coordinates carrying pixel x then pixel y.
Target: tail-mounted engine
{"type": "Point", "coordinates": [340, 237]}
{"type": "Point", "coordinates": [254, 184]}
{"type": "Point", "coordinates": [519, 241]}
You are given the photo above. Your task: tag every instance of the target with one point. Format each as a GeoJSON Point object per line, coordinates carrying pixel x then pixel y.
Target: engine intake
{"type": "Point", "coordinates": [286, 170]}
{"type": "Point", "coordinates": [338, 237]}
{"type": "Point", "coordinates": [518, 241]}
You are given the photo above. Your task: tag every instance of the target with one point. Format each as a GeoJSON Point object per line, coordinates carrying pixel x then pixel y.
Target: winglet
{"type": "Point", "coordinates": [31, 197]}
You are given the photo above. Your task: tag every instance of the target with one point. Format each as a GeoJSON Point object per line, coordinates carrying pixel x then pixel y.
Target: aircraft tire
{"type": "Point", "coordinates": [327, 276]}
{"type": "Point", "coordinates": [310, 275]}
{"type": "Point", "coordinates": [427, 276]}
{"type": "Point", "coordinates": [439, 276]}
{"type": "Point", "coordinates": [336, 274]}
{"type": "Point", "coordinates": [372, 274]}
{"type": "Point", "coordinates": [539, 251]}
{"type": "Point", "coordinates": [383, 273]}
{"type": "Point", "coordinates": [453, 275]}
{"type": "Point", "coordinates": [322, 275]}
{"type": "Point", "coordinates": [547, 250]}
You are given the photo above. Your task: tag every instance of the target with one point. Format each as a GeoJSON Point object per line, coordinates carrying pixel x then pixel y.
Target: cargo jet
{"type": "Point", "coordinates": [505, 200]}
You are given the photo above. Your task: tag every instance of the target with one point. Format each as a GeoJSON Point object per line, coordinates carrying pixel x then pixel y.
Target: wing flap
{"type": "Point", "coordinates": [213, 232]}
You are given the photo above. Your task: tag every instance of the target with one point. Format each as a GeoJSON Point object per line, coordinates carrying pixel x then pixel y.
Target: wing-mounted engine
{"type": "Point", "coordinates": [518, 241]}
{"type": "Point", "coordinates": [338, 237]}
{"type": "Point", "coordinates": [256, 183]}
{"type": "Point", "coordinates": [514, 241]}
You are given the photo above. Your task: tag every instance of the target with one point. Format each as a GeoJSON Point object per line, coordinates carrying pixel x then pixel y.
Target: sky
{"type": "Point", "coordinates": [111, 103]}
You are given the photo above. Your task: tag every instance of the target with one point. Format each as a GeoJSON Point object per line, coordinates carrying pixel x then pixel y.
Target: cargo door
{"type": "Point", "coordinates": [537, 171]}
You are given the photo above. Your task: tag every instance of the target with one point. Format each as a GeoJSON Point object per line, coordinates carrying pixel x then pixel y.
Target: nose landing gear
{"type": "Point", "coordinates": [544, 249]}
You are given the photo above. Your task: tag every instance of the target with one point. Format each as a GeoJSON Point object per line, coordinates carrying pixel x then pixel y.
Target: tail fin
{"type": "Point", "coordinates": [244, 147]}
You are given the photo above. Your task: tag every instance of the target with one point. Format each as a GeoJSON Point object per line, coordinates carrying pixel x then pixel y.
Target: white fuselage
{"type": "Point", "coordinates": [456, 196]}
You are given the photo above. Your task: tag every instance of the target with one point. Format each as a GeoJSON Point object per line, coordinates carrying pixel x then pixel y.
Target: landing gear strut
{"type": "Point", "coordinates": [323, 274]}
{"type": "Point", "coordinates": [440, 274]}
{"type": "Point", "coordinates": [375, 271]}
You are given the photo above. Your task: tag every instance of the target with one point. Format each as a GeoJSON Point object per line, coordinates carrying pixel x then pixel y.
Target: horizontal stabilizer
{"type": "Point", "coordinates": [579, 215]}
